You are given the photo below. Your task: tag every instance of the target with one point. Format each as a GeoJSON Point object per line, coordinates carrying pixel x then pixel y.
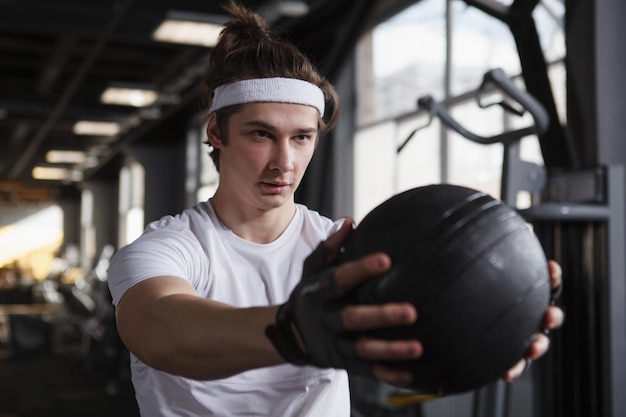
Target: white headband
{"type": "Point", "coordinates": [275, 90]}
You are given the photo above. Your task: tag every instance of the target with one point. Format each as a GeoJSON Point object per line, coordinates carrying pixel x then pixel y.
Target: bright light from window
{"type": "Point", "coordinates": [33, 240]}
{"type": "Point", "coordinates": [134, 223]}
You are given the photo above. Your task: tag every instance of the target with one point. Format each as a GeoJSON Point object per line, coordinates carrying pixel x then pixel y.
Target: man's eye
{"type": "Point", "coordinates": [260, 133]}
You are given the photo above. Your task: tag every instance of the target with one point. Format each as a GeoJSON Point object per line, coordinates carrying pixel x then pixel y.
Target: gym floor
{"type": "Point", "coordinates": [54, 385]}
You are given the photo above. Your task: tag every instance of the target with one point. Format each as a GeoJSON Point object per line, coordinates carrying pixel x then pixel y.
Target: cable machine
{"type": "Point", "coordinates": [578, 215]}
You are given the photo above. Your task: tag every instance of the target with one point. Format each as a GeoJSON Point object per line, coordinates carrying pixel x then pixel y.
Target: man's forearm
{"type": "Point", "coordinates": [189, 336]}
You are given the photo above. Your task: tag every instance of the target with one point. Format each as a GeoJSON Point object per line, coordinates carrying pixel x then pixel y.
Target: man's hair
{"type": "Point", "coordinates": [248, 49]}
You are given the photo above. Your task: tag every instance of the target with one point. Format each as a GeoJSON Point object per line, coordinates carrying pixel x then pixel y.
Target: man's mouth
{"type": "Point", "coordinates": [274, 186]}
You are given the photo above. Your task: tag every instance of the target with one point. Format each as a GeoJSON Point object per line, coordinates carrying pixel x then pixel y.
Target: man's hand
{"type": "Point", "coordinates": [317, 327]}
{"type": "Point", "coordinates": [553, 319]}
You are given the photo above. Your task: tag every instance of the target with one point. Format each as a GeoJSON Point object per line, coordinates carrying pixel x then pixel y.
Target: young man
{"type": "Point", "coordinates": [215, 302]}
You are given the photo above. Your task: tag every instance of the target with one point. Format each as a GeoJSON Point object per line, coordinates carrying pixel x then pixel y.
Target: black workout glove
{"type": "Point", "coordinates": [314, 311]}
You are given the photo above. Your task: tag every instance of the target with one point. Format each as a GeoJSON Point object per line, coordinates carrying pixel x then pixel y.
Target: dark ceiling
{"type": "Point", "coordinates": [57, 56]}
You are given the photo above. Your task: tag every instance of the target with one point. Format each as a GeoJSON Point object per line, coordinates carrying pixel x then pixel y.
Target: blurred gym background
{"type": "Point", "coordinates": [101, 132]}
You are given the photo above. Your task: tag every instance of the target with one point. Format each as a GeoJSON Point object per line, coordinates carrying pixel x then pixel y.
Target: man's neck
{"type": "Point", "coordinates": [254, 225]}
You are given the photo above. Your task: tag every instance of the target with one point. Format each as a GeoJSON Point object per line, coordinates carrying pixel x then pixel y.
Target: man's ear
{"type": "Point", "coordinates": [212, 132]}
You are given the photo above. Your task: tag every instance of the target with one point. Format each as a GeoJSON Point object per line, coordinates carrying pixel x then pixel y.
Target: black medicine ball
{"type": "Point", "coordinates": [474, 271]}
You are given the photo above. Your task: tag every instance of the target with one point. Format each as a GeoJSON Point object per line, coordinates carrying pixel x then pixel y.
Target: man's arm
{"type": "Point", "coordinates": [168, 326]}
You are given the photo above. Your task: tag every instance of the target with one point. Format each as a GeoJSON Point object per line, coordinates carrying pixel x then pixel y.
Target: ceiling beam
{"type": "Point", "coordinates": [54, 67]}
{"type": "Point", "coordinates": [25, 109]}
{"type": "Point", "coordinates": [41, 134]}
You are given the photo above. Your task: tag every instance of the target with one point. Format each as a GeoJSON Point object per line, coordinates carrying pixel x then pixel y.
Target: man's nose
{"type": "Point", "coordinates": [282, 156]}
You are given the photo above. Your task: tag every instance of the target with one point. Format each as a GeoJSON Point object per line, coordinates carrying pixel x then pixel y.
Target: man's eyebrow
{"type": "Point", "coordinates": [269, 127]}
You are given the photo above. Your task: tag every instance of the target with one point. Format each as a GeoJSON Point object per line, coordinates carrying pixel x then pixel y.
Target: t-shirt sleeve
{"type": "Point", "coordinates": [159, 252]}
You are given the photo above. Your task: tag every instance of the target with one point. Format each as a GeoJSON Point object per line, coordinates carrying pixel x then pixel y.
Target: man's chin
{"type": "Point", "coordinates": [277, 200]}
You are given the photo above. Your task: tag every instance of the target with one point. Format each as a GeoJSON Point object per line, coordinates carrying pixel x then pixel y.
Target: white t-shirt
{"type": "Point", "coordinates": [224, 267]}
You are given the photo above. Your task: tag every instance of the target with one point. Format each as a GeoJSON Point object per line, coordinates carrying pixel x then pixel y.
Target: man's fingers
{"type": "Point", "coordinates": [338, 239]}
{"type": "Point", "coordinates": [391, 376]}
{"type": "Point", "coordinates": [367, 317]}
{"type": "Point", "coordinates": [555, 274]}
{"type": "Point", "coordinates": [538, 347]}
{"type": "Point", "coordinates": [388, 350]}
{"type": "Point", "coordinates": [516, 371]}
{"type": "Point", "coordinates": [554, 318]}
{"type": "Point", "coordinates": [352, 273]}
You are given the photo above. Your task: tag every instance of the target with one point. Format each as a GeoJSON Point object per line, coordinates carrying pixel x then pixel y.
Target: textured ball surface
{"type": "Point", "coordinates": [474, 271]}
